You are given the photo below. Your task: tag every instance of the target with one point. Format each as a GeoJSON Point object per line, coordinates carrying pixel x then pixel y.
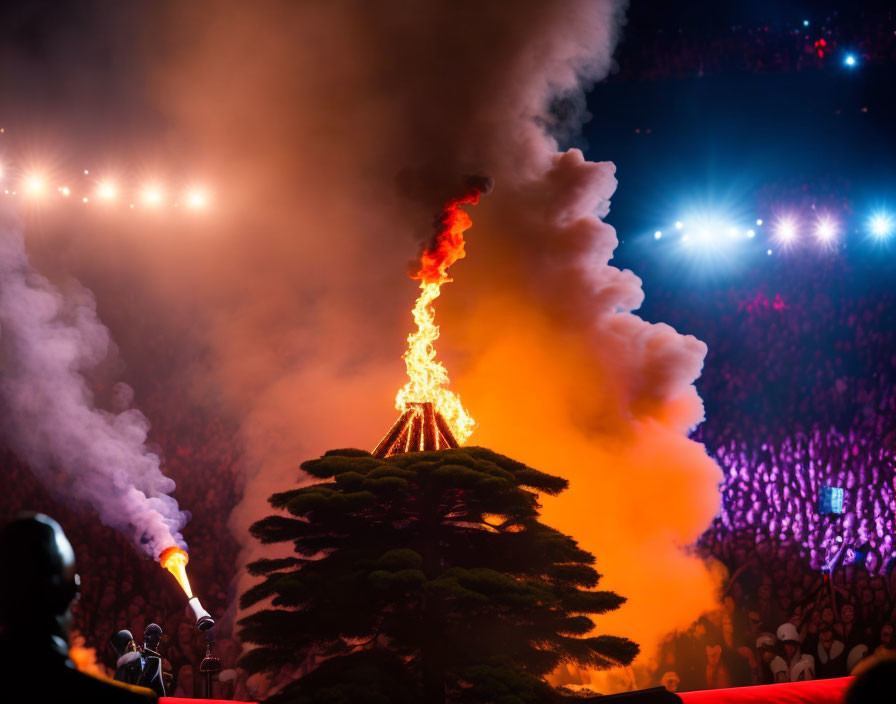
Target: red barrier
{"type": "Point", "coordinates": [812, 692]}
{"type": "Point", "coordinates": [181, 700]}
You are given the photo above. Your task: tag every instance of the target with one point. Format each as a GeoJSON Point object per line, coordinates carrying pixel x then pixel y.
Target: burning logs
{"type": "Point", "coordinates": [419, 429]}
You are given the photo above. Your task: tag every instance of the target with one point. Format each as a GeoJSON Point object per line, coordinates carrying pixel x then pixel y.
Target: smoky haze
{"type": "Point", "coordinates": [334, 133]}
{"type": "Point", "coordinates": [348, 125]}
{"type": "Point", "coordinates": [49, 344]}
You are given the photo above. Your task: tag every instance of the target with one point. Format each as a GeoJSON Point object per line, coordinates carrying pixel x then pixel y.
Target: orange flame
{"type": "Point", "coordinates": [175, 561]}
{"type": "Point", "coordinates": [428, 378]}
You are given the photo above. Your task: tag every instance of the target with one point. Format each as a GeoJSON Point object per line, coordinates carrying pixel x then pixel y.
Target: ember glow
{"type": "Point", "coordinates": [175, 561]}
{"type": "Point", "coordinates": [428, 378]}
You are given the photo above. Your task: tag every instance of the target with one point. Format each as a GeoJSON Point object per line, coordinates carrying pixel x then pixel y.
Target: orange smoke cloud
{"type": "Point", "coordinates": [308, 302]}
{"type": "Point", "coordinates": [567, 378]}
{"type": "Point", "coordinates": [345, 127]}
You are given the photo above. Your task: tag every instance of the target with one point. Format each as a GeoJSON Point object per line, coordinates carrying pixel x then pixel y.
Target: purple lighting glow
{"type": "Point", "coordinates": [772, 491]}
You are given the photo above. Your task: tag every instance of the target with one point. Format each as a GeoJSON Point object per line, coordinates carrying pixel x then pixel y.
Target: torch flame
{"type": "Point", "coordinates": [428, 378]}
{"type": "Point", "coordinates": [175, 561]}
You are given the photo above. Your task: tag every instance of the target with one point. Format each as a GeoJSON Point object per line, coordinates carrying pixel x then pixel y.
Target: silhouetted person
{"type": "Point", "coordinates": [128, 662]}
{"type": "Point", "coordinates": [152, 636]}
{"type": "Point", "coordinates": [38, 584]}
{"type": "Point", "coordinates": [135, 666]}
{"type": "Point", "coordinates": [875, 684]}
{"type": "Point", "coordinates": [153, 677]}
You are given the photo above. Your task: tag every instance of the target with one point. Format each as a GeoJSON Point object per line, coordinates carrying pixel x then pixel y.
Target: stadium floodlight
{"type": "Point", "coordinates": [751, 233]}
{"type": "Point", "coordinates": [825, 229]}
{"type": "Point", "coordinates": [107, 190]}
{"type": "Point", "coordinates": [768, 252]}
{"type": "Point", "coordinates": [152, 195]}
{"type": "Point", "coordinates": [658, 235]}
{"type": "Point", "coordinates": [881, 225]}
{"type": "Point", "coordinates": [34, 185]}
{"type": "Point", "coordinates": [759, 222]}
{"type": "Point", "coordinates": [197, 198]}
{"type": "Point", "coordinates": [679, 224]}
{"type": "Point", "coordinates": [786, 231]}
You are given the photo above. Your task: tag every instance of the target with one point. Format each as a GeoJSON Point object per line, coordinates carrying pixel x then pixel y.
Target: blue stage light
{"type": "Point", "coordinates": [881, 224]}
{"type": "Point", "coordinates": [850, 60]}
{"type": "Point", "coordinates": [657, 235]}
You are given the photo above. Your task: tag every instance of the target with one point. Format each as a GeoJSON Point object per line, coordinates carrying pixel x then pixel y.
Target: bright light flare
{"type": "Point", "coordinates": [107, 190]}
{"type": "Point", "coordinates": [881, 225]}
{"type": "Point", "coordinates": [34, 185]}
{"type": "Point", "coordinates": [850, 60]}
{"type": "Point", "coordinates": [197, 198]}
{"type": "Point", "coordinates": [152, 195]}
{"type": "Point", "coordinates": [826, 229]}
{"type": "Point", "coordinates": [786, 230]}
{"type": "Point", "coordinates": [712, 228]}
{"type": "Point", "coordinates": [175, 561]}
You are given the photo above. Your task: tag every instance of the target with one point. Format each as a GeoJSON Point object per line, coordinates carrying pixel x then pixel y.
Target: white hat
{"type": "Point", "coordinates": [787, 633]}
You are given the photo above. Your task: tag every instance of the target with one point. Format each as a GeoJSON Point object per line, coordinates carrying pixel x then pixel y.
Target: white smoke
{"type": "Point", "coordinates": [49, 417]}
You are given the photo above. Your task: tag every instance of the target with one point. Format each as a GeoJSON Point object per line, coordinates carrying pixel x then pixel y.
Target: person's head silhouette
{"type": "Point", "coordinates": [38, 582]}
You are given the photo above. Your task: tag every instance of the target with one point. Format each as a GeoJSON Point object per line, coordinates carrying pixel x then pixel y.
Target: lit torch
{"type": "Point", "coordinates": [428, 378]}
{"type": "Point", "coordinates": [175, 561]}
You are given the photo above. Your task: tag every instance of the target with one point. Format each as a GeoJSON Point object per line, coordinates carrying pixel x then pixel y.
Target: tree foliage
{"type": "Point", "coordinates": [424, 577]}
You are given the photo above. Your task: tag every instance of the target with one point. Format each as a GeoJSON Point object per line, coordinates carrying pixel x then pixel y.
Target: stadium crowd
{"type": "Point", "coordinates": [702, 49]}
{"type": "Point", "coordinates": [799, 392]}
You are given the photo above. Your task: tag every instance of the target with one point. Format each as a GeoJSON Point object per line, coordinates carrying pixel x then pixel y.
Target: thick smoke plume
{"type": "Point", "coordinates": [48, 342]}
{"type": "Point", "coordinates": [347, 126]}
{"type": "Point", "coordinates": [334, 132]}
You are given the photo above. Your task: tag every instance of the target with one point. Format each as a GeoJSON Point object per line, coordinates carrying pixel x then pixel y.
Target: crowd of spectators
{"type": "Point", "coordinates": [799, 391]}
{"type": "Point", "coordinates": [702, 48]}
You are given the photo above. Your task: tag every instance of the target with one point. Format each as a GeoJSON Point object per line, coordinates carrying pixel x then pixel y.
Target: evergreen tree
{"type": "Point", "coordinates": [424, 577]}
